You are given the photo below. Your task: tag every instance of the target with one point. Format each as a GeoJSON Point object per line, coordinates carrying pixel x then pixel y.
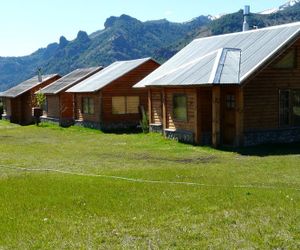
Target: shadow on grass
{"type": "Point", "coordinates": [267, 150]}
{"type": "Point", "coordinates": [132, 130]}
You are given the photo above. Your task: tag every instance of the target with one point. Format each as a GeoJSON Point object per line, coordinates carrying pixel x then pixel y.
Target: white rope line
{"type": "Point", "coordinates": [143, 180]}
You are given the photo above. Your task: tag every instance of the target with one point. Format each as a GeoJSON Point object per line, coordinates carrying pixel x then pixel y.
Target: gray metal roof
{"type": "Point", "coordinates": [69, 80]}
{"type": "Point", "coordinates": [107, 75]}
{"type": "Point", "coordinates": [223, 59]}
{"type": "Point", "coordinates": [25, 86]}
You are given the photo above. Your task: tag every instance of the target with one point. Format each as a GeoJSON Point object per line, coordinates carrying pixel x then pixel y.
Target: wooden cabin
{"type": "Point", "coordinates": [107, 100]}
{"type": "Point", "coordinates": [237, 89]}
{"type": "Point", "coordinates": [19, 100]}
{"type": "Point", "coordinates": [59, 104]}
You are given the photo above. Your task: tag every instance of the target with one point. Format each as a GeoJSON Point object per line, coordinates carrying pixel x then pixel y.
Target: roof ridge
{"type": "Point", "coordinates": [251, 31]}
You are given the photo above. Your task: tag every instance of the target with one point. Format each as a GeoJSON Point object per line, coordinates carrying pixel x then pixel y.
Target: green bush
{"type": "Point", "coordinates": [144, 122]}
{"type": "Point", "coordinates": [1, 109]}
{"type": "Point", "coordinates": [40, 99]}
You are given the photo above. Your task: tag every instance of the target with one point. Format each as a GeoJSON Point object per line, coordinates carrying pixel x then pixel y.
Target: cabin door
{"type": "Point", "coordinates": [228, 118]}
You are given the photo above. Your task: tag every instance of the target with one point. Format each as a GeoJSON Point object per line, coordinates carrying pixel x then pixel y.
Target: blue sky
{"type": "Point", "coordinates": [26, 25]}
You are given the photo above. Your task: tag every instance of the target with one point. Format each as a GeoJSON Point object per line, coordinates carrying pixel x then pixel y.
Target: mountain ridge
{"type": "Point", "coordinates": [125, 38]}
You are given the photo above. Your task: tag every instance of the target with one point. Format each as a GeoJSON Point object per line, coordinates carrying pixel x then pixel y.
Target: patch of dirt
{"type": "Point", "coordinates": [195, 160]}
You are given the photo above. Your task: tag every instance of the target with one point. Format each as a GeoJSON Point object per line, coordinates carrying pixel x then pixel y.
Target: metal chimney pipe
{"type": "Point", "coordinates": [39, 71]}
{"type": "Point", "coordinates": [246, 14]}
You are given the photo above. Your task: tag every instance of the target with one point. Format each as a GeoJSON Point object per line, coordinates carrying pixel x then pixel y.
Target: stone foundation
{"type": "Point", "coordinates": [5, 117]}
{"type": "Point", "coordinates": [156, 128]}
{"type": "Point", "coordinates": [180, 135]}
{"type": "Point", "coordinates": [107, 126]}
{"type": "Point", "coordinates": [57, 121]}
{"type": "Point", "coordinates": [289, 135]}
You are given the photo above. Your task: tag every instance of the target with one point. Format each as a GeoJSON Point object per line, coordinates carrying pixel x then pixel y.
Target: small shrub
{"type": "Point", "coordinates": [40, 99]}
{"type": "Point", "coordinates": [144, 122]}
{"type": "Point", "coordinates": [1, 109]}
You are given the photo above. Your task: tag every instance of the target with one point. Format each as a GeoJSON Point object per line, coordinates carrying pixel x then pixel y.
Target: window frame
{"type": "Point", "coordinates": [90, 102]}
{"type": "Point", "coordinates": [126, 112]}
{"type": "Point", "coordinates": [230, 101]}
{"type": "Point", "coordinates": [186, 107]}
{"type": "Point", "coordinates": [112, 105]}
{"type": "Point", "coordinates": [291, 122]}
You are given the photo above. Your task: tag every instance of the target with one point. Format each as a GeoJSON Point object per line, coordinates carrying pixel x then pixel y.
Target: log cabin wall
{"type": "Point", "coordinates": [52, 106]}
{"type": "Point", "coordinates": [66, 105]}
{"type": "Point", "coordinates": [261, 103]}
{"type": "Point", "coordinates": [79, 114]}
{"type": "Point", "coordinates": [261, 95]}
{"type": "Point", "coordinates": [172, 123]}
{"type": "Point", "coordinates": [124, 87]}
{"type": "Point", "coordinates": [156, 106]}
{"type": "Point", "coordinates": [15, 107]}
{"type": "Point", "coordinates": [204, 120]}
{"type": "Point", "coordinates": [197, 128]}
{"type": "Point", "coordinates": [28, 101]}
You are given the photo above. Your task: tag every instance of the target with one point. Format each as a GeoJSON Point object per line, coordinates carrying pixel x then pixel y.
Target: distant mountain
{"type": "Point", "coordinates": [285, 6]}
{"type": "Point", "coordinates": [122, 38]}
{"type": "Point", "coordinates": [125, 38]}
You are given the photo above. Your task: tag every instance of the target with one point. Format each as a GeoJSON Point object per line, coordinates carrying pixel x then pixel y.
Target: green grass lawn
{"type": "Point", "coordinates": [248, 199]}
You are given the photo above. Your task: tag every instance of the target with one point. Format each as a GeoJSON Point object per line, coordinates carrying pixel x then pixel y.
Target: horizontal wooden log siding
{"type": "Point", "coordinates": [79, 115]}
{"type": "Point", "coordinates": [123, 87]}
{"type": "Point", "coordinates": [120, 87]}
{"type": "Point", "coordinates": [21, 106]}
{"type": "Point", "coordinates": [261, 95]}
{"type": "Point", "coordinates": [191, 106]}
{"type": "Point", "coordinates": [52, 106]}
{"type": "Point", "coordinates": [156, 105]}
{"type": "Point", "coordinates": [66, 105]}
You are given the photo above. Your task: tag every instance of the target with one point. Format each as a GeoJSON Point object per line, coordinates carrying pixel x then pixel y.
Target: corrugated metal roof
{"type": "Point", "coordinates": [69, 80]}
{"type": "Point", "coordinates": [107, 75]}
{"type": "Point", "coordinates": [26, 86]}
{"type": "Point", "coordinates": [245, 52]}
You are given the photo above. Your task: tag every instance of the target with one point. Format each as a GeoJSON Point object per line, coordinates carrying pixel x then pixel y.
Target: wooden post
{"type": "Point", "coordinates": [150, 105]}
{"type": "Point", "coordinates": [239, 116]}
{"type": "Point", "coordinates": [198, 121]}
{"type": "Point", "coordinates": [216, 108]}
{"type": "Point", "coordinates": [164, 109]}
{"type": "Point", "coordinates": [100, 106]}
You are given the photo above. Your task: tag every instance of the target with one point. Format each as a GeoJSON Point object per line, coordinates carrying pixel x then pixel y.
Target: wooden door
{"type": "Point", "coordinates": [229, 119]}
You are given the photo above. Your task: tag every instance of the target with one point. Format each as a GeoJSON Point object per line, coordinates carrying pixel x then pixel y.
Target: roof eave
{"type": "Point", "coordinates": [271, 58]}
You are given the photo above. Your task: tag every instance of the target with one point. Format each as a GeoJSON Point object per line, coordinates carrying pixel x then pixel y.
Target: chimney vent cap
{"type": "Point", "coordinates": [247, 10]}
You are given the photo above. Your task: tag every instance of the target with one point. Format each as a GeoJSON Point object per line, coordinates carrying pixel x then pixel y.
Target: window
{"type": "Point", "coordinates": [296, 107]}
{"type": "Point", "coordinates": [180, 107]}
{"type": "Point", "coordinates": [230, 101]}
{"type": "Point", "coordinates": [118, 105]}
{"type": "Point", "coordinates": [288, 61]}
{"type": "Point", "coordinates": [125, 105]}
{"type": "Point", "coordinates": [289, 107]}
{"type": "Point", "coordinates": [88, 105]}
{"type": "Point", "coordinates": [284, 108]}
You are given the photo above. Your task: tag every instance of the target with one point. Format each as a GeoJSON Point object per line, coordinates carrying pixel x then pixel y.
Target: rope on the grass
{"type": "Point", "coordinates": [143, 180]}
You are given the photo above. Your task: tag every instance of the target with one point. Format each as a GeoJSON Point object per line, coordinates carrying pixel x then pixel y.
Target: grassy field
{"type": "Point", "coordinates": [173, 196]}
